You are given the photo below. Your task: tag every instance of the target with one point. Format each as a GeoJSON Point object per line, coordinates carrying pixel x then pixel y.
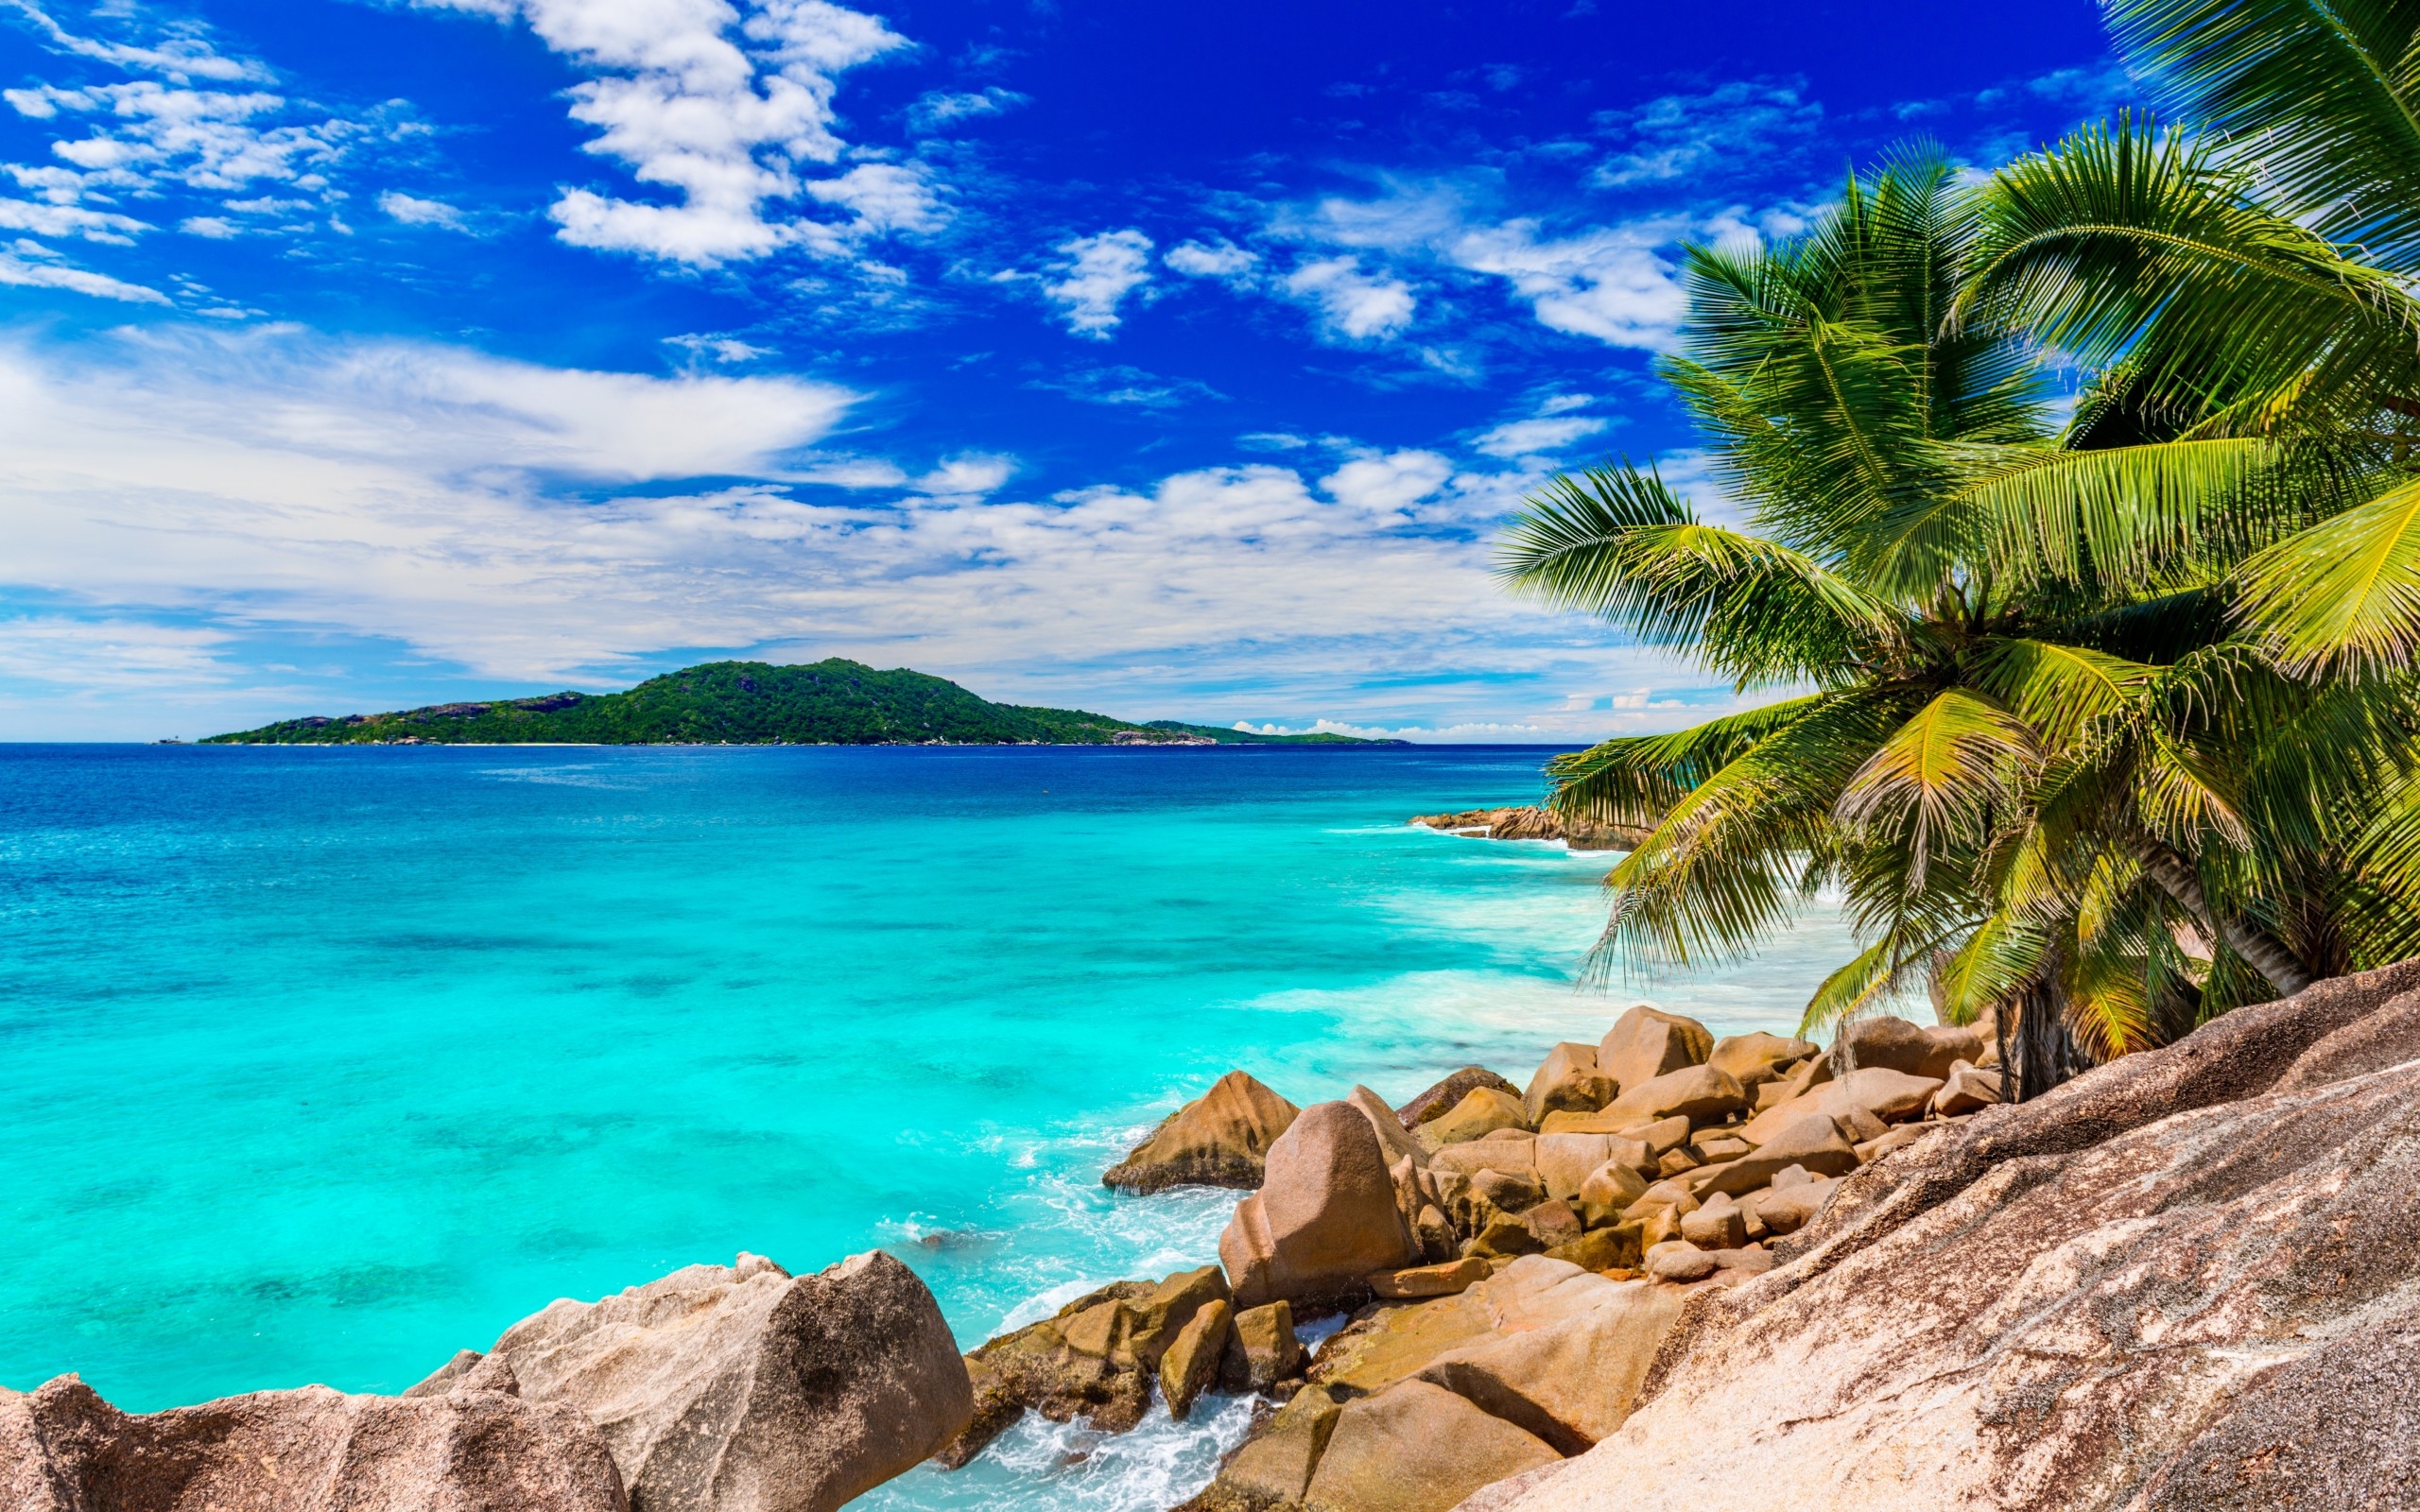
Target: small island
{"type": "Point", "coordinates": [832, 702]}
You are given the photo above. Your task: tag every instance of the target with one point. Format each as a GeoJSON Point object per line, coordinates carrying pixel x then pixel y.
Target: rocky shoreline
{"type": "Point", "coordinates": [1670, 1270]}
{"type": "Point", "coordinates": [1533, 823]}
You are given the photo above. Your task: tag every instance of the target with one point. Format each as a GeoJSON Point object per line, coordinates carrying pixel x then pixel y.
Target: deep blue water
{"type": "Point", "coordinates": [319, 1064]}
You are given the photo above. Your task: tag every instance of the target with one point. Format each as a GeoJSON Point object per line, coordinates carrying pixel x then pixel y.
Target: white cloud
{"type": "Point", "coordinates": [1538, 437]}
{"type": "Point", "coordinates": [1385, 486]}
{"type": "Point", "coordinates": [967, 478]}
{"type": "Point", "coordinates": [185, 52]}
{"type": "Point", "coordinates": [69, 221]}
{"type": "Point", "coordinates": [1736, 129]}
{"type": "Point", "coordinates": [720, 106]}
{"type": "Point", "coordinates": [719, 348]}
{"type": "Point", "coordinates": [55, 275]}
{"type": "Point", "coordinates": [1351, 302]}
{"type": "Point", "coordinates": [939, 109]}
{"type": "Point", "coordinates": [1224, 259]}
{"type": "Point", "coordinates": [1102, 270]}
{"type": "Point", "coordinates": [1612, 285]}
{"type": "Point", "coordinates": [411, 211]}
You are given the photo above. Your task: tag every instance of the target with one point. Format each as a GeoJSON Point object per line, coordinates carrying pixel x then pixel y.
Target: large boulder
{"type": "Point", "coordinates": [2161, 1286]}
{"type": "Point", "coordinates": [1694, 1093]}
{"type": "Point", "coordinates": [1417, 1448]}
{"type": "Point", "coordinates": [1898, 1044]}
{"type": "Point", "coordinates": [1570, 1381]}
{"type": "Point", "coordinates": [742, 1388]}
{"type": "Point", "coordinates": [1646, 1042]}
{"type": "Point", "coordinates": [1438, 1100]}
{"type": "Point", "coordinates": [1567, 1080]}
{"type": "Point", "coordinates": [1220, 1139]}
{"type": "Point", "coordinates": [1753, 1059]}
{"type": "Point", "coordinates": [1809, 1139]}
{"type": "Point", "coordinates": [476, 1448]}
{"type": "Point", "coordinates": [1324, 1218]}
{"type": "Point", "coordinates": [1481, 1112]}
{"type": "Point", "coordinates": [1393, 1138]}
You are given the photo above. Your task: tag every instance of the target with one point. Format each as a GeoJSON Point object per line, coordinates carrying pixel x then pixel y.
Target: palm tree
{"type": "Point", "coordinates": [2024, 750]}
{"type": "Point", "coordinates": [2247, 294]}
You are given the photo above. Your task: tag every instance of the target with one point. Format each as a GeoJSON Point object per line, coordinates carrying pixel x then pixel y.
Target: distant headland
{"type": "Point", "coordinates": [833, 702]}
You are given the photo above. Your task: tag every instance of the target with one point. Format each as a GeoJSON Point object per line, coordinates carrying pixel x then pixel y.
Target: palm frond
{"type": "Point", "coordinates": [2341, 598]}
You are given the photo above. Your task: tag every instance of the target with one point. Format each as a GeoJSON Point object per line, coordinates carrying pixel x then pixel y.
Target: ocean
{"type": "Point", "coordinates": [319, 1064]}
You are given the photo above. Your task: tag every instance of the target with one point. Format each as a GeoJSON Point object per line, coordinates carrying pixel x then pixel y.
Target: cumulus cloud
{"type": "Point", "coordinates": [1350, 302]}
{"type": "Point", "coordinates": [1614, 285]}
{"type": "Point", "coordinates": [412, 211]}
{"type": "Point", "coordinates": [1102, 270]}
{"type": "Point", "coordinates": [1223, 260]}
{"type": "Point", "coordinates": [722, 107]}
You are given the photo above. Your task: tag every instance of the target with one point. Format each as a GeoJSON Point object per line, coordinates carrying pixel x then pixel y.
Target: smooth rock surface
{"type": "Point", "coordinates": [1482, 1112]}
{"type": "Point", "coordinates": [1190, 1365]}
{"type": "Point", "coordinates": [1440, 1099]}
{"type": "Point", "coordinates": [1753, 1059]}
{"type": "Point", "coordinates": [745, 1389]}
{"type": "Point", "coordinates": [1570, 1381]}
{"type": "Point", "coordinates": [1417, 1448]}
{"type": "Point", "coordinates": [1567, 1081]}
{"type": "Point", "coordinates": [1220, 1139]}
{"type": "Point", "coordinates": [1325, 1217]}
{"type": "Point", "coordinates": [1645, 1043]}
{"type": "Point", "coordinates": [62, 1449]}
{"type": "Point", "coordinates": [1694, 1093]}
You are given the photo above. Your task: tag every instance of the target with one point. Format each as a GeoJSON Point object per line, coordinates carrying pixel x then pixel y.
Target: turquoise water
{"type": "Point", "coordinates": [321, 1064]}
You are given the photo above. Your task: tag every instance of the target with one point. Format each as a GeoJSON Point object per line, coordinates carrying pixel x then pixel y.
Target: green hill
{"type": "Point", "coordinates": [751, 703]}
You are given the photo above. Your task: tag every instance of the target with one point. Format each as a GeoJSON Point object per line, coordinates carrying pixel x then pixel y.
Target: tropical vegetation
{"type": "Point", "coordinates": [832, 702]}
{"type": "Point", "coordinates": [2099, 713]}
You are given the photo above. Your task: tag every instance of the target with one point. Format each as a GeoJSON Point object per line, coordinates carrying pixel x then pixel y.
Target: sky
{"type": "Point", "coordinates": [1167, 361]}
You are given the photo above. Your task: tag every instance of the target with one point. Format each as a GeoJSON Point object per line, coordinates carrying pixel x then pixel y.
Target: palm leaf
{"type": "Point", "coordinates": [2341, 598]}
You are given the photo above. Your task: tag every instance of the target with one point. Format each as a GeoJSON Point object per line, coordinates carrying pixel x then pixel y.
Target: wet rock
{"type": "Point", "coordinates": [745, 1389]}
{"type": "Point", "coordinates": [1325, 1217]}
{"type": "Point", "coordinates": [1261, 1348]}
{"type": "Point", "coordinates": [1567, 1081]}
{"type": "Point", "coordinates": [1220, 1139]}
{"type": "Point", "coordinates": [1645, 1043]}
{"type": "Point", "coordinates": [1278, 1462]}
{"type": "Point", "coordinates": [1417, 1448]}
{"type": "Point", "coordinates": [1190, 1365]}
{"type": "Point", "coordinates": [1438, 1100]}
{"type": "Point", "coordinates": [62, 1449]}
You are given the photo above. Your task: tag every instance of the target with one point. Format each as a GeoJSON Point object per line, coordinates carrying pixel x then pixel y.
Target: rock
{"type": "Point", "coordinates": [1531, 823]}
{"type": "Point", "coordinates": [1393, 1138]}
{"type": "Point", "coordinates": [745, 1389]}
{"type": "Point", "coordinates": [1645, 1043]}
{"type": "Point", "coordinates": [1482, 1112]}
{"type": "Point", "coordinates": [1660, 1136]}
{"type": "Point", "coordinates": [2388, 1037]}
{"type": "Point", "coordinates": [1753, 1059]}
{"type": "Point", "coordinates": [1613, 1185]}
{"type": "Point", "coordinates": [62, 1449]}
{"type": "Point", "coordinates": [1573, 1380]}
{"type": "Point", "coordinates": [1324, 1218]}
{"type": "Point", "coordinates": [1508, 1191]}
{"type": "Point", "coordinates": [1715, 1146]}
{"type": "Point", "coordinates": [1470, 1158]}
{"type": "Point", "coordinates": [1277, 1462]}
{"type": "Point", "coordinates": [1967, 1090]}
{"type": "Point", "coordinates": [1553, 1222]}
{"type": "Point", "coordinates": [1603, 1249]}
{"type": "Point", "coordinates": [2166, 1284]}
{"type": "Point", "coordinates": [1501, 1237]}
{"type": "Point", "coordinates": [1787, 1210]}
{"type": "Point", "coordinates": [1261, 1348]}
{"type": "Point", "coordinates": [1897, 1139]}
{"type": "Point", "coordinates": [1190, 1365]}
{"type": "Point", "coordinates": [1865, 1100]}
{"type": "Point", "coordinates": [1417, 1448]}
{"type": "Point", "coordinates": [1133, 1330]}
{"type": "Point", "coordinates": [1439, 1100]}
{"type": "Point", "coordinates": [1566, 1160]}
{"type": "Point", "coordinates": [1436, 1236]}
{"type": "Point", "coordinates": [1723, 1228]}
{"type": "Point", "coordinates": [1677, 1260]}
{"type": "Point", "coordinates": [1429, 1280]}
{"type": "Point", "coordinates": [1896, 1044]}
{"type": "Point", "coordinates": [1808, 1140]}
{"type": "Point", "coordinates": [1694, 1093]}
{"type": "Point", "coordinates": [1568, 1081]}
{"type": "Point", "coordinates": [1220, 1139]}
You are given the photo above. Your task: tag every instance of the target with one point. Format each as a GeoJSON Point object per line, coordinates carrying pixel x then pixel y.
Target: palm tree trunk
{"type": "Point", "coordinates": [2179, 880]}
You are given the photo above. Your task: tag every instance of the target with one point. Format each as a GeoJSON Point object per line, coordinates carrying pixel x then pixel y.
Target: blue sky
{"type": "Point", "coordinates": [1168, 361]}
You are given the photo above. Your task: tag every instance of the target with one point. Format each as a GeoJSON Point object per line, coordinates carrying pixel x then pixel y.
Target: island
{"type": "Point", "coordinates": [832, 702]}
